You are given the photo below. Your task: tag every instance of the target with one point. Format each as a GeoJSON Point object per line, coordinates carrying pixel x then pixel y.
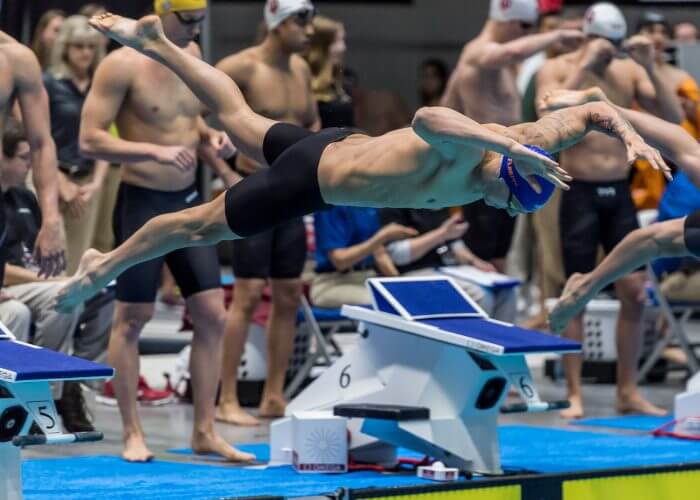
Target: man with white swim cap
{"type": "Point", "coordinates": [599, 209]}
{"type": "Point", "coordinates": [276, 82]}
{"type": "Point", "coordinates": [160, 130]}
{"type": "Point", "coordinates": [483, 87]}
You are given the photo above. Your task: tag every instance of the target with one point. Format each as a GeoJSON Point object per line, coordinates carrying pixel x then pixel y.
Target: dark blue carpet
{"type": "Point", "coordinates": [630, 422]}
{"type": "Point", "coordinates": [522, 448]}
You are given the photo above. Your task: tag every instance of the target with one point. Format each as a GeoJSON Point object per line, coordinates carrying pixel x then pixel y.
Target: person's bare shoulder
{"type": "Point", "coordinates": [21, 61]}
{"type": "Point", "coordinates": [241, 65]}
{"type": "Point", "coordinates": [299, 64]}
{"type": "Point", "coordinates": [110, 71]}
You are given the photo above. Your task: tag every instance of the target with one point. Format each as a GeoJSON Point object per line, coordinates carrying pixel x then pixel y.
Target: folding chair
{"type": "Point", "coordinates": [322, 323]}
{"type": "Point", "coordinates": [677, 328]}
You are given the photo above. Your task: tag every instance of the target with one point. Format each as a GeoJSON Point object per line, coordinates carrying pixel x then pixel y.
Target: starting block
{"type": "Point", "coordinates": [28, 415]}
{"type": "Point", "coordinates": [429, 373]}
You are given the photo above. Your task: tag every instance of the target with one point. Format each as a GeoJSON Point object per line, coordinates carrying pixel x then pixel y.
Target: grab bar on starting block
{"type": "Point", "coordinates": [36, 439]}
{"type": "Point", "coordinates": [538, 407]}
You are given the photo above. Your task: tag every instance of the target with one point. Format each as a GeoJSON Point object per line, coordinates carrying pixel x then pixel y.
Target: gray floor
{"type": "Point", "coordinates": [169, 426]}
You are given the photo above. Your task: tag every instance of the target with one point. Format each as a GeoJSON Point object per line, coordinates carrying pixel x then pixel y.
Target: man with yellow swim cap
{"type": "Point", "coordinates": [160, 133]}
{"type": "Point", "coordinates": [598, 209]}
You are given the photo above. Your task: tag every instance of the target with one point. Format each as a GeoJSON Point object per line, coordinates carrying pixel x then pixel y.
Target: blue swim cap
{"type": "Point", "coordinates": [530, 199]}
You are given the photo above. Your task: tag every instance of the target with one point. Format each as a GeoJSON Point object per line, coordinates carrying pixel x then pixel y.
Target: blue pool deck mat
{"type": "Point", "coordinates": [21, 362]}
{"type": "Point", "coordinates": [437, 308]}
{"type": "Point", "coordinates": [523, 449]}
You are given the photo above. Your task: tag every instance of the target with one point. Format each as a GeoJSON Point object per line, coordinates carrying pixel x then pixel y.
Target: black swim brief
{"type": "Point", "coordinates": [195, 269]}
{"type": "Point", "coordinates": [594, 213]}
{"type": "Point", "coordinates": [691, 233]}
{"type": "Point", "coordinates": [286, 190]}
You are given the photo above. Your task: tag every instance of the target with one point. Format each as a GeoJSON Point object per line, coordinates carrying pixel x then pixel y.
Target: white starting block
{"type": "Point", "coordinates": [687, 404]}
{"type": "Point", "coordinates": [27, 412]}
{"type": "Point", "coordinates": [429, 374]}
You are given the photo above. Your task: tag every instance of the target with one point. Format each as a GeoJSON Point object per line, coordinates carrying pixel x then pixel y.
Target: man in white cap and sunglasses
{"type": "Point", "coordinates": [483, 87]}
{"type": "Point", "coordinates": [598, 210]}
{"type": "Point", "coordinates": [276, 82]}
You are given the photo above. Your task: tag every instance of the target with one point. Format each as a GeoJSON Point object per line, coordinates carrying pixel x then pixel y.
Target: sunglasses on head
{"type": "Point", "coordinates": [304, 17]}
{"type": "Point", "coordinates": [189, 21]}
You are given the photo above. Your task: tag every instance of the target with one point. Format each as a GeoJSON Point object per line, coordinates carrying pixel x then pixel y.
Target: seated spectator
{"type": "Point", "coordinates": [83, 333]}
{"type": "Point", "coordinates": [349, 249]}
{"type": "Point", "coordinates": [439, 243]}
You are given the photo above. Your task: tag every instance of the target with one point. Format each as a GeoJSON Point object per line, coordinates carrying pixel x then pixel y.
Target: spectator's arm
{"type": "Point", "coordinates": [384, 263]}
{"type": "Point", "coordinates": [17, 275]}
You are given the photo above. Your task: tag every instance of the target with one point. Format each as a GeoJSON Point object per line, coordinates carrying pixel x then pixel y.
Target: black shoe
{"type": "Point", "coordinates": [73, 409]}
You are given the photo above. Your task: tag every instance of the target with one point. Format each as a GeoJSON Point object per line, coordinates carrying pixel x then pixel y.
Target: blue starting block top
{"type": "Point", "coordinates": [20, 362]}
{"type": "Point", "coordinates": [439, 309]}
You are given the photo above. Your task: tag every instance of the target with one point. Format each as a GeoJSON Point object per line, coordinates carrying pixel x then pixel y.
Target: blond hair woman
{"type": "Point", "coordinates": [77, 51]}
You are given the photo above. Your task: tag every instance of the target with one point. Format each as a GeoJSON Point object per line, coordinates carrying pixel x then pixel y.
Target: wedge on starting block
{"type": "Point", "coordinates": [28, 416]}
{"type": "Point", "coordinates": [429, 346]}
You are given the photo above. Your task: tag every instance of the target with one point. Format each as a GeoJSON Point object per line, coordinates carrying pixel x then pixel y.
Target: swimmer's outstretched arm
{"type": "Point", "coordinates": [564, 128]}
{"type": "Point", "coordinates": [448, 131]}
{"type": "Point", "coordinates": [638, 248]}
{"type": "Point", "coordinates": [214, 88]}
{"type": "Point", "coordinates": [671, 139]}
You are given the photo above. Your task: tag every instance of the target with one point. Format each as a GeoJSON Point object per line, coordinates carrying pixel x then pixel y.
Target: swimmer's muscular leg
{"type": "Point", "coordinates": [214, 88]}
{"type": "Point", "coordinates": [198, 226]}
{"type": "Point", "coordinates": [664, 239]}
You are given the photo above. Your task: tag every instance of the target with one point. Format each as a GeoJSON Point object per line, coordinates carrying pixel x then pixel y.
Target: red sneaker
{"type": "Point", "coordinates": [154, 397]}
{"type": "Point", "coordinates": [146, 395]}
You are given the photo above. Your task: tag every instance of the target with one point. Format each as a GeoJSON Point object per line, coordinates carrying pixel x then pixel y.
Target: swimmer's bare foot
{"type": "Point", "coordinates": [135, 449]}
{"type": "Point", "coordinates": [211, 442]}
{"type": "Point", "coordinates": [575, 410]}
{"type": "Point", "coordinates": [272, 407]}
{"type": "Point", "coordinates": [637, 405]}
{"type": "Point", "coordinates": [234, 414]}
{"type": "Point", "coordinates": [142, 35]}
{"type": "Point", "coordinates": [576, 294]}
{"type": "Point", "coordinates": [87, 281]}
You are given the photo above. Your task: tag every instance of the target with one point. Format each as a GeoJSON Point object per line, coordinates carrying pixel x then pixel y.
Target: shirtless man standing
{"type": "Point", "coordinates": [445, 159]}
{"type": "Point", "coordinates": [672, 238]}
{"type": "Point", "coordinates": [20, 82]}
{"type": "Point", "coordinates": [276, 83]}
{"type": "Point", "coordinates": [160, 128]}
{"type": "Point", "coordinates": [599, 207]}
{"type": "Point", "coordinates": [484, 87]}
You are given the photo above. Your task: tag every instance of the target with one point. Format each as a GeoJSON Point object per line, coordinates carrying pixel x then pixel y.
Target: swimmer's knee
{"type": "Point", "coordinates": [247, 295]}
{"type": "Point", "coordinates": [206, 224]}
{"type": "Point", "coordinates": [130, 319]}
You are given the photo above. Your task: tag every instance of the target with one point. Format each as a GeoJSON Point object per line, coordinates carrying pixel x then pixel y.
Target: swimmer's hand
{"type": "Point", "coordinates": [222, 144]}
{"type": "Point", "coordinates": [637, 149]}
{"type": "Point", "coordinates": [180, 157]}
{"type": "Point", "coordinates": [561, 98]}
{"type": "Point", "coordinates": [641, 50]}
{"type": "Point", "coordinates": [530, 162]}
{"type": "Point", "coordinates": [570, 39]}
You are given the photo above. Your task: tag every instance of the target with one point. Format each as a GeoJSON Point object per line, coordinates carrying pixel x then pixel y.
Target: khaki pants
{"type": "Point", "coordinates": [549, 258]}
{"type": "Point", "coordinates": [80, 231]}
{"type": "Point", "coordinates": [332, 290]}
{"type": "Point", "coordinates": [104, 233]}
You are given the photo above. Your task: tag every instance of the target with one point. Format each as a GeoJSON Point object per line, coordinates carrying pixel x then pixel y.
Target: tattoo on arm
{"type": "Point", "coordinates": [610, 124]}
